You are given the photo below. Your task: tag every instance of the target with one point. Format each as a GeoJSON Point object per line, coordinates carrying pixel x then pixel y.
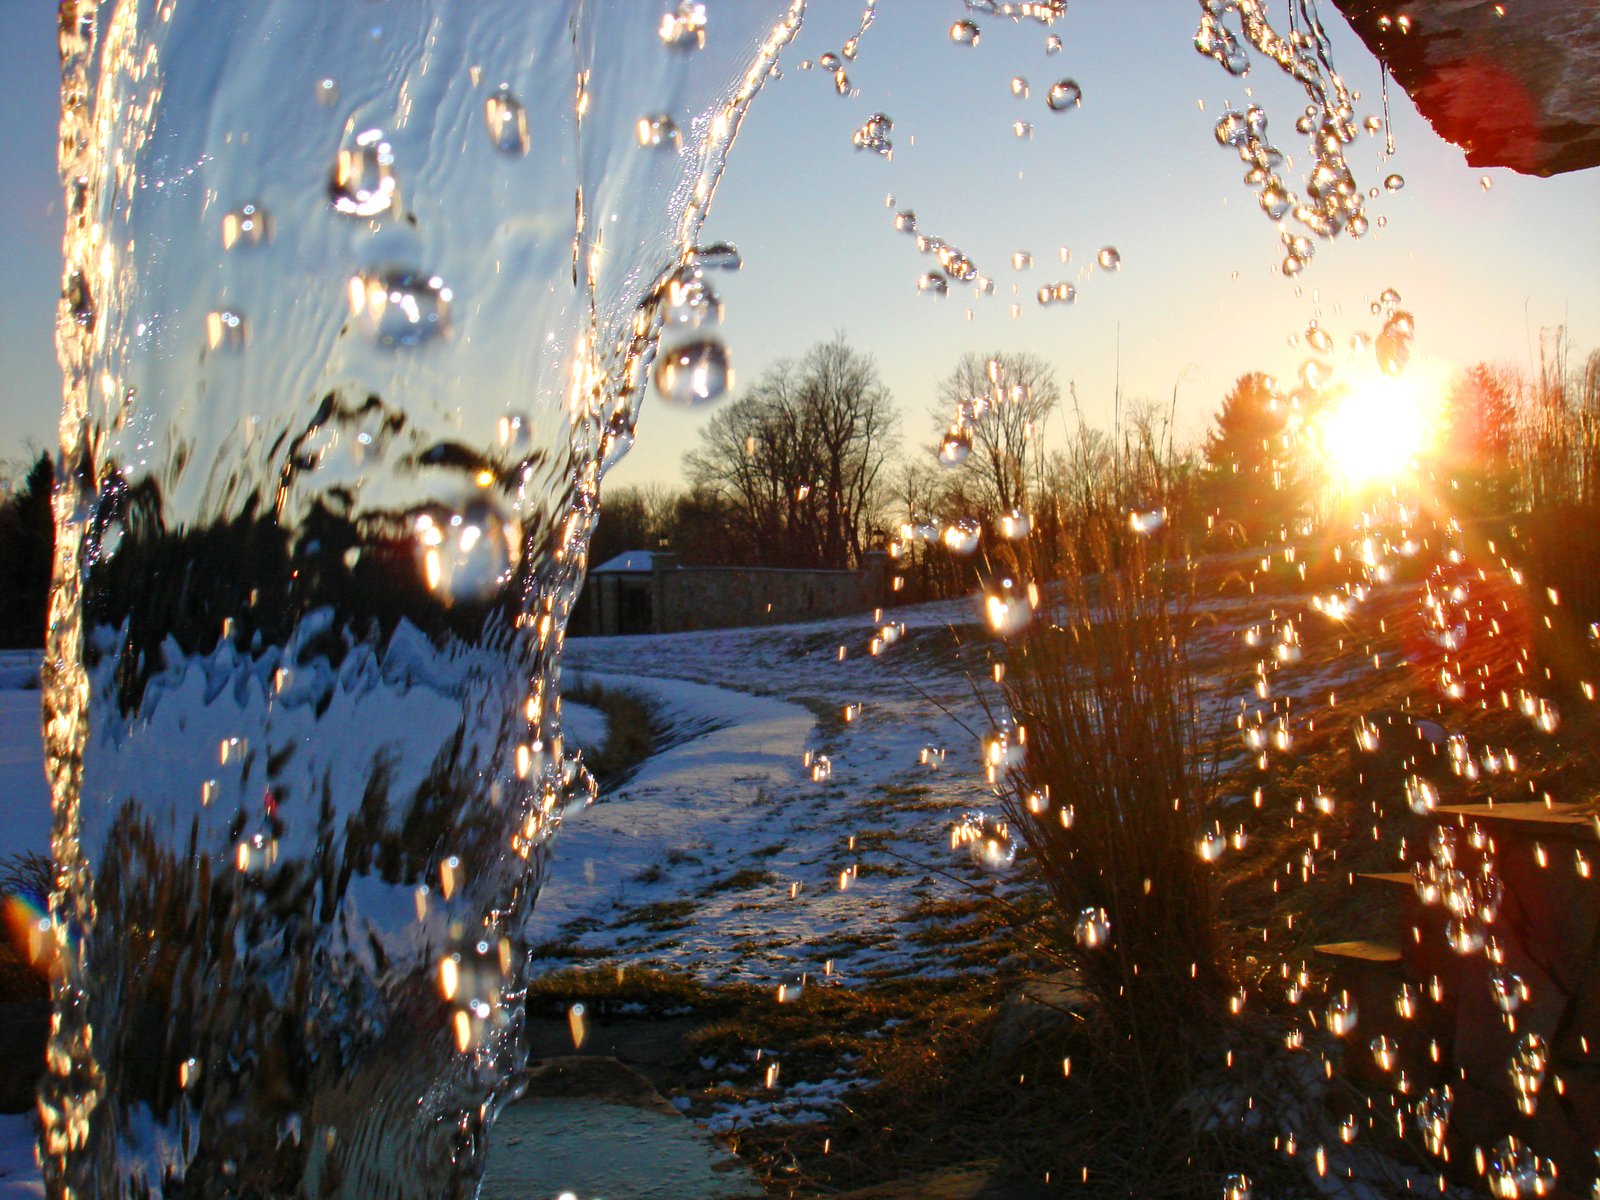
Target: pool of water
{"type": "Point", "coordinates": [544, 1147]}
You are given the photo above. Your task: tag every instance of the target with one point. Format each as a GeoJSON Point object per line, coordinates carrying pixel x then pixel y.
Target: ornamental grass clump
{"type": "Point", "coordinates": [1111, 794]}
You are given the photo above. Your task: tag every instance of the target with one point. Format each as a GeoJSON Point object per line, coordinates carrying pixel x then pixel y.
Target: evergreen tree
{"type": "Point", "coordinates": [27, 539]}
{"type": "Point", "coordinates": [1254, 479]}
{"type": "Point", "coordinates": [1479, 425]}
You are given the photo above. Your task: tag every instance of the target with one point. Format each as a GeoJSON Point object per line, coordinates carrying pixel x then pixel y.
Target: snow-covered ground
{"type": "Point", "coordinates": [24, 795]}
{"type": "Point", "coordinates": [19, 1174]}
{"type": "Point", "coordinates": [722, 855]}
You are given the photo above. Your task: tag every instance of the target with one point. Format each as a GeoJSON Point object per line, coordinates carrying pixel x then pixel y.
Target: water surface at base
{"type": "Point", "coordinates": [546, 1146]}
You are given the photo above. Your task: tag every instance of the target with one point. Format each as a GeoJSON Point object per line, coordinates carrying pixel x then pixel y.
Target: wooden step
{"type": "Point", "coordinates": [1370, 952]}
{"type": "Point", "coordinates": [1525, 818]}
{"type": "Point", "coordinates": [1388, 879]}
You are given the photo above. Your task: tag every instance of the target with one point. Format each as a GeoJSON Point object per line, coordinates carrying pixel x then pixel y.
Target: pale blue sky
{"type": "Point", "coordinates": [1136, 167]}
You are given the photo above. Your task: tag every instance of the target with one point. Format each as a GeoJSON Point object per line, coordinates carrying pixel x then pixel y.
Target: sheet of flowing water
{"type": "Point", "coordinates": [362, 298]}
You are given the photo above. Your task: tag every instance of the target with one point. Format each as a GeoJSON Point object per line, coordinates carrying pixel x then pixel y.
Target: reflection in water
{"type": "Point", "coordinates": [362, 301]}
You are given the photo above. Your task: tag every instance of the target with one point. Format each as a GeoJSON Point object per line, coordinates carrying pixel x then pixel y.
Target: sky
{"type": "Point", "coordinates": [1488, 261]}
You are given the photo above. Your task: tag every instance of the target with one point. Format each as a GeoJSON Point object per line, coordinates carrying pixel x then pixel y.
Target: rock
{"type": "Point", "coordinates": [1514, 85]}
{"type": "Point", "coordinates": [1038, 1006]}
{"type": "Point", "coordinates": [24, 1026]}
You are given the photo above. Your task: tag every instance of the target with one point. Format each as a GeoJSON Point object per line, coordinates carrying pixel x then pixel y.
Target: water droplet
{"type": "Point", "coordinates": [1464, 935]}
{"type": "Point", "coordinates": [1019, 86]}
{"type": "Point", "coordinates": [1432, 1114]}
{"type": "Point", "coordinates": [225, 329]}
{"type": "Point", "coordinates": [1091, 928]}
{"type": "Point", "coordinates": [506, 120]}
{"type": "Point", "coordinates": [1052, 44]}
{"type": "Point", "coordinates": [1064, 95]}
{"type": "Point", "coordinates": [1394, 182]}
{"type": "Point", "coordinates": [683, 27]}
{"type": "Point", "coordinates": [1015, 525]}
{"type": "Point", "coordinates": [1022, 129]}
{"type": "Point", "coordinates": [1508, 990]}
{"type": "Point", "coordinates": [1317, 338]}
{"type": "Point", "coordinates": [1108, 258]}
{"type": "Point", "coordinates": [964, 33]}
{"type": "Point", "coordinates": [1276, 199]}
{"type": "Point", "coordinates": [987, 839]}
{"type": "Point", "coordinates": [1046, 294]}
{"type": "Point", "coordinates": [1237, 1187]}
{"type": "Point", "coordinates": [327, 92]}
{"type": "Point", "coordinates": [719, 256]}
{"type": "Point", "coordinates": [658, 131]}
{"type": "Point", "coordinates": [401, 307]}
{"type": "Point", "coordinates": [955, 447]}
{"type": "Point", "coordinates": [874, 135]}
{"type": "Point", "coordinates": [830, 61]}
{"type": "Point", "coordinates": [248, 225]}
{"type": "Point", "coordinates": [1231, 129]}
{"type": "Point", "coordinates": [1486, 183]}
{"type": "Point", "coordinates": [363, 183]}
{"type": "Point", "coordinates": [694, 373]}
{"type": "Point", "coordinates": [1008, 605]}
{"type": "Point", "coordinates": [1065, 293]}
{"type": "Point", "coordinates": [1021, 260]}
{"type": "Point", "coordinates": [961, 536]}
{"type": "Point", "coordinates": [905, 221]}
{"type": "Point", "coordinates": [1146, 521]}
{"type": "Point", "coordinates": [690, 304]}
{"type": "Point", "coordinates": [1421, 796]}
{"type": "Point", "coordinates": [1515, 1172]}
{"type": "Point", "coordinates": [466, 554]}
{"type": "Point", "coordinates": [1393, 347]}
{"type": "Point", "coordinates": [933, 284]}
{"type": "Point", "coordinates": [1341, 1014]}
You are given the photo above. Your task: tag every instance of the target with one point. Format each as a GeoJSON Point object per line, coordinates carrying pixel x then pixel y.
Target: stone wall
{"type": "Point", "coordinates": [671, 598]}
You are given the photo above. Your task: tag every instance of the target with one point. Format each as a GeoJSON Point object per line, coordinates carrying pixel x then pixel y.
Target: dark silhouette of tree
{"type": "Point", "coordinates": [1255, 478]}
{"type": "Point", "coordinates": [1002, 399]}
{"type": "Point", "coordinates": [800, 460]}
{"type": "Point", "coordinates": [27, 539]}
{"type": "Point", "coordinates": [632, 518]}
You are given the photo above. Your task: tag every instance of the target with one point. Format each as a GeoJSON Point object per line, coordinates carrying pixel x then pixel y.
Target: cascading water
{"type": "Point", "coordinates": [361, 302]}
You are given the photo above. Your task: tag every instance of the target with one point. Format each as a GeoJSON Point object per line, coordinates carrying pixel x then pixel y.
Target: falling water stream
{"type": "Point", "coordinates": [362, 302]}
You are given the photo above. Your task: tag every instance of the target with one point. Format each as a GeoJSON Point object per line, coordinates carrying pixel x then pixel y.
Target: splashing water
{"type": "Point", "coordinates": [363, 304]}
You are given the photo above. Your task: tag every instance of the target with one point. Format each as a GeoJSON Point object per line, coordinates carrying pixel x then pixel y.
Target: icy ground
{"type": "Point", "coordinates": [723, 856]}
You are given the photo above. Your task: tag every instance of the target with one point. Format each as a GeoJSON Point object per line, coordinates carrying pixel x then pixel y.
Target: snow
{"type": "Point", "coordinates": [630, 562]}
{"type": "Point", "coordinates": [24, 794]}
{"type": "Point", "coordinates": [583, 725]}
{"type": "Point", "coordinates": [722, 857]}
{"type": "Point", "coordinates": [19, 1173]}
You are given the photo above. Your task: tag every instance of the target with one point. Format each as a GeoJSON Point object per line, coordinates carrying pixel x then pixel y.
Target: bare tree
{"type": "Point", "coordinates": [1002, 400]}
{"type": "Point", "coordinates": [801, 459]}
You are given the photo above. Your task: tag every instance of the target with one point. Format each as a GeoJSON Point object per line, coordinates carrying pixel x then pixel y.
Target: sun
{"type": "Point", "coordinates": [1375, 432]}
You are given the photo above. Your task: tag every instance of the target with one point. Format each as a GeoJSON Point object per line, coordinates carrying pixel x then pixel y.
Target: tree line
{"type": "Point", "coordinates": [810, 468]}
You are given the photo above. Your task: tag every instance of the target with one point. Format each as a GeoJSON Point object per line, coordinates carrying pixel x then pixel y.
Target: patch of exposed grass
{"type": "Point", "coordinates": [633, 731]}
{"type": "Point", "coordinates": [661, 916]}
{"type": "Point", "coordinates": [741, 881]}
